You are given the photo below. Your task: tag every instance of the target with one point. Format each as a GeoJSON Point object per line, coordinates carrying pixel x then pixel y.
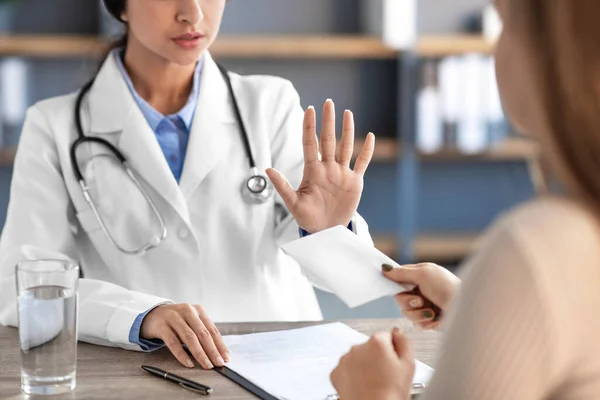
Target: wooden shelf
{"type": "Point", "coordinates": [388, 150]}
{"type": "Point", "coordinates": [345, 46]}
{"type": "Point", "coordinates": [434, 248]}
{"type": "Point", "coordinates": [46, 46]}
{"type": "Point", "coordinates": [330, 47]}
{"type": "Point", "coordinates": [280, 47]}
{"type": "Point", "coordinates": [441, 46]}
{"type": "Point", "coordinates": [514, 149]}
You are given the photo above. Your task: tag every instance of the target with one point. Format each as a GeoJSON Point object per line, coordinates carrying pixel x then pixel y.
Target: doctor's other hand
{"type": "Point", "coordinates": [330, 191]}
{"type": "Point", "coordinates": [381, 369]}
{"type": "Point", "coordinates": [436, 288]}
{"type": "Point", "coordinates": [178, 324]}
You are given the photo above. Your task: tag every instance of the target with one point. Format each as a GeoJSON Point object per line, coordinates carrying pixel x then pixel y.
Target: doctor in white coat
{"type": "Point", "coordinates": [162, 101]}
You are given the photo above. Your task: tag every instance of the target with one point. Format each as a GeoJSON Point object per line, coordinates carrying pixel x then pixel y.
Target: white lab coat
{"type": "Point", "coordinates": [220, 252]}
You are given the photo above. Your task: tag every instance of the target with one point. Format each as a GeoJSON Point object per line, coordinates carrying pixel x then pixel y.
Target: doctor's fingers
{"type": "Point", "coordinates": [328, 132]}
{"type": "Point", "coordinates": [310, 145]}
{"type": "Point", "coordinates": [366, 154]}
{"type": "Point", "coordinates": [283, 187]}
{"type": "Point", "coordinates": [207, 331]}
{"type": "Point", "coordinates": [347, 144]}
{"type": "Point", "coordinates": [188, 336]}
{"type": "Point", "coordinates": [173, 343]}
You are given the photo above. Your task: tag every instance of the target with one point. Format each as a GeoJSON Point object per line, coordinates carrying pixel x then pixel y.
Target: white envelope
{"type": "Point", "coordinates": [339, 261]}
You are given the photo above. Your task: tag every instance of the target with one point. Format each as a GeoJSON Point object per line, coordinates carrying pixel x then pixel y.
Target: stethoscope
{"type": "Point", "coordinates": [255, 190]}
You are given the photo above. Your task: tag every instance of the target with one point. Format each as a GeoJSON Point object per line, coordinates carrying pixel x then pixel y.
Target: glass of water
{"type": "Point", "coordinates": [47, 303]}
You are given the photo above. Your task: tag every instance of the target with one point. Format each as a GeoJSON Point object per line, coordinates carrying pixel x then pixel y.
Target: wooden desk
{"type": "Point", "coordinates": [108, 373]}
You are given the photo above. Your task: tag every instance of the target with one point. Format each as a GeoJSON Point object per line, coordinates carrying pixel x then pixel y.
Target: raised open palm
{"type": "Point", "coordinates": [330, 191]}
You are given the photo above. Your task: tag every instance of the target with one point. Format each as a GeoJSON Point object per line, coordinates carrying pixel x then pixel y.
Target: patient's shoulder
{"type": "Point", "coordinates": [552, 217]}
{"type": "Point", "coordinates": [547, 234]}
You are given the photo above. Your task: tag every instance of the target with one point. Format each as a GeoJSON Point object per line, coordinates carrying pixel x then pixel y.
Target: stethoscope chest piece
{"type": "Point", "coordinates": [257, 189]}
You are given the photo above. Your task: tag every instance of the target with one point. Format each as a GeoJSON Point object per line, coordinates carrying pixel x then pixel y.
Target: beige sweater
{"type": "Point", "coordinates": [526, 324]}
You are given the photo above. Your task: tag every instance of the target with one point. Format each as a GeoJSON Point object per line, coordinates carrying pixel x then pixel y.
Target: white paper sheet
{"type": "Point", "coordinates": [337, 260]}
{"type": "Point", "coordinates": [296, 364]}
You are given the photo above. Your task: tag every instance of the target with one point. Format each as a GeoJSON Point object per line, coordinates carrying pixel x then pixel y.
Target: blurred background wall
{"type": "Point", "coordinates": [454, 196]}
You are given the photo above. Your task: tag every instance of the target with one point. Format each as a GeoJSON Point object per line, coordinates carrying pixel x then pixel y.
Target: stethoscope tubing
{"type": "Point", "coordinates": [250, 196]}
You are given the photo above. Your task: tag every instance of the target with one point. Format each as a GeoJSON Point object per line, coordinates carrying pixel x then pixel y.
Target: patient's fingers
{"type": "Point", "coordinates": [410, 301]}
{"type": "Point", "coordinates": [420, 315]}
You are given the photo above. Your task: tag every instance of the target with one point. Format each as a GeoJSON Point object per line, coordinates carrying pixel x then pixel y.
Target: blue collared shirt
{"type": "Point", "coordinates": [172, 131]}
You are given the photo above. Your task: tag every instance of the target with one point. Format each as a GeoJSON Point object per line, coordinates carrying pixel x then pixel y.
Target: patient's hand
{"type": "Point", "coordinates": [381, 369]}
{"type": "Point", "coordinates": [436, 288]}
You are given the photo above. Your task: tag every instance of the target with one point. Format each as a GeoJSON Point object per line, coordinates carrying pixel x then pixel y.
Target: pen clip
{"type": "Point", "coordinates": [193, 389]}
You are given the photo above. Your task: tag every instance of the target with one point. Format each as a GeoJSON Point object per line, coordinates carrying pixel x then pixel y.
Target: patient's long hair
{"type": "Point", "coordinates": [564, 37]}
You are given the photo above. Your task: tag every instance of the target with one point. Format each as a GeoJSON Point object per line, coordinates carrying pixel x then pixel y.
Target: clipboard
{"type": "Point", "coordinates": [417, 388]}
{"type": "Point", "coordinates": [245, 383]}
{"type": "Point", "coordinates": [262, 361]}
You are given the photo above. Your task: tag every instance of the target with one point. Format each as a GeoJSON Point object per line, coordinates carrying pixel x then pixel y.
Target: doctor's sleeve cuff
{"type": "Point", "coordinates": [351, 226]}
{"type": "Point", "coordinates": [124, 316]}
{"type": "Point", "coordinates": [134, 334]}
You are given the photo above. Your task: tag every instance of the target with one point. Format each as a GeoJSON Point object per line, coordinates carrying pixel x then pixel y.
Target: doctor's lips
{"type": "Point", "coordinates": [189, 40]}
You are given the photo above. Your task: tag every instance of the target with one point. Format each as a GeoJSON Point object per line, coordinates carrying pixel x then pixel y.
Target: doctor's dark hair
{"type": "Point", "coordinates": [116, 9]}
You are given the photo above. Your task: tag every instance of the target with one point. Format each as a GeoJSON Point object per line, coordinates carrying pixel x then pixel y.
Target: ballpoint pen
{"type": "Point", "coordinates": [181, 381]}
